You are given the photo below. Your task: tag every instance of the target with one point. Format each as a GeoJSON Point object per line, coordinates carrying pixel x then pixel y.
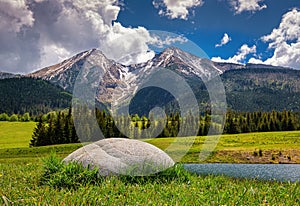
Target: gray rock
{"type": "Point", "coordinates": [118, 156]}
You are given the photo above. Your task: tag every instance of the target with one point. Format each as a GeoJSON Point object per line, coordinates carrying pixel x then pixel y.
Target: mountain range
{"type": "Point", "coordinates": [250, 87]}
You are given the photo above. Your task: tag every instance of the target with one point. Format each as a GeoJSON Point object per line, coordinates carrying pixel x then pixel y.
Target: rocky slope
{"type": "Point", "coordinates": [248, 87]}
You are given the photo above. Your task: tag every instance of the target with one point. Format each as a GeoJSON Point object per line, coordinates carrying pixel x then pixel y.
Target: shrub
{"type": "Point", "coordinates": [4, 117]}
{"type": "Point", "coordinates": [13, 118]}
{"type": "Point", "coordinates": [273, 157]}
{"type": "Point", "coordinates": [260, 152]}
{"type": "Point", "coordinates": [255, 154]}
{"type": "Point", "coordinates": [26, 117]}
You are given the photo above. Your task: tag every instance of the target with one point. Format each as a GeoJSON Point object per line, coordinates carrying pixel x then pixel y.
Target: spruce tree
{"type": "Point", "coordinates": [39, 136]}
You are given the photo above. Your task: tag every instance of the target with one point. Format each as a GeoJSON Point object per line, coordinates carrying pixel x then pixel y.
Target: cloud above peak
{"type": "Point", "coordinates": [240, 57]}
{"type": "Point", "coordinates": [39, 33]}
{"type": "Point", "coordinates": [176, 9]}
{"type": "Point", "coordinates": [225, 40]}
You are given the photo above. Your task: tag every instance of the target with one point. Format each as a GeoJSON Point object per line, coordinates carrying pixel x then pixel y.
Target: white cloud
{"type": "Point", "coordinates": [53, 53]}
{"type": "Point", "coordinates": [161, 42]}
{"type": "Point", "coordinates": [225, 40]}
{"type": "Point", "coordinates": [253, 60]}
{"type": "Point", "coordinates": [285, 40]}
{"type": "Point", "coordinates": [14, 15]}
{"type": "Point", "coordinates": [240, 57]}
{"type": "Point", "coordinates": [240, 6]}
{"type": "Point", "coordinates": [126, 45]}
{"type": "Point", "coordinates": [39, 33]}
{"type": "Point", "coordinates": [176, 9]}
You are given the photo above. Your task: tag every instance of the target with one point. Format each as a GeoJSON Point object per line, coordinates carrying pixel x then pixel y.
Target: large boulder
{"type": "Point", "coordinates": [118, 156]}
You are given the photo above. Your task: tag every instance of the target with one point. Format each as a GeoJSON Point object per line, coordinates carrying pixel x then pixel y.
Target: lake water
{"type": "Point", "coordinates": [278, 172]}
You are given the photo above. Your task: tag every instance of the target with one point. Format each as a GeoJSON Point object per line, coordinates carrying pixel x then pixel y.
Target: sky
{"type": "Point", "coordinates": [39, 33]}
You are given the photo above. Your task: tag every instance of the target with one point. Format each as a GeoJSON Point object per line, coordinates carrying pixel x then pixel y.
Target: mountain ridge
{"type": "Point", "coordinates": [250, 83]}
{"type": "Point", "coordinates": [222, 66]}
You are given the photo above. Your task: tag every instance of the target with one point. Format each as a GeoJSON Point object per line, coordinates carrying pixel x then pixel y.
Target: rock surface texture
{"type": "Point", "coordinates": [118, 156]}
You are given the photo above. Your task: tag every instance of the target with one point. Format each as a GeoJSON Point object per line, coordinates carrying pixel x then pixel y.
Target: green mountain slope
{"type": "Point", "coordinates": [262, 89]}
{"type": "Point", "coordinates": [20, 95]}
{"type": "Point", "coordinates": [247, 90]}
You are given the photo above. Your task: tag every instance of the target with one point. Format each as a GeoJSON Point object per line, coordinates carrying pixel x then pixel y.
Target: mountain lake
{"type": "Point", "coordinates": [270, 172]}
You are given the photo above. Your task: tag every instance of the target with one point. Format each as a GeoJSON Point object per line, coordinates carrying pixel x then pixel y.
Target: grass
{"type": "Point", "coordinates": [15, 134]}
{"type": "Point", "coordinates": [21, 154]}
{"type": "Point", "coordinates": [240, 148]}
{"type": "Point", "coordinates": [20, 184]}
{"type": "Point", "coordinates": [273, 147]}
{"type": "Point", "coordinates": [26, 177]}
{"type": "Point", "coordinates": [73, 175]}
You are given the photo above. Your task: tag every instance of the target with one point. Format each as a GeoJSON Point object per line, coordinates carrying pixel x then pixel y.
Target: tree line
{"type": "Point", "coordinates": [237, 122]}
{"type": "Point", "coordinates": [59, 128]}
{"type": "Point", "coordinates": [55, 128]}
{"type": "Point", "coordinates": [17, 117]}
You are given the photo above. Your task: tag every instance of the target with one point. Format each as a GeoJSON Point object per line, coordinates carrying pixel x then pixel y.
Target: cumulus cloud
{"type": "Point", "coordinates": [126, 45]}
{"type": "Point", "coordinates": [39, 33]}
{"type": "Point", "coordinates": [14, 15]}
{"type": "Point", "coordinates": [240, 6]}
{"type": "Point", "coordinates": [176, 9]}
{"type": "Point", "coordinates": [225, 40]}
{"type": "Point", "coordinates": [285, 40]}
{"type": "Point", "coordinates": [240, 57]}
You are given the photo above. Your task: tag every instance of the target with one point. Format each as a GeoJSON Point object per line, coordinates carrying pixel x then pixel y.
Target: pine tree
{"type": "Point", "coordinates": [58, 129]}
{"type": "Point", "coordinates": [67, 130]}
{"type": "Point", "coordinates": [50, 132]}
{"type": "Point", "coordinates": [39, 137]}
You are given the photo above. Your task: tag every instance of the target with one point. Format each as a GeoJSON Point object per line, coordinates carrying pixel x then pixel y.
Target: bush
{"type": "Point", "coordinates": [260, 152]}
{"type": "Point", "coordinates": [26, 117]}
{"type": "Point", "coordinates": [4, 117]}
{"type": "Point", "coordinates": [13, 118]}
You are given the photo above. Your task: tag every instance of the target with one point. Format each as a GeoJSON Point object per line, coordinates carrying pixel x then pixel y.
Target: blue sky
{"type": "Point", "coordinates": [39, 33]}
{"type": "Point", "coordinates": [207, 24]}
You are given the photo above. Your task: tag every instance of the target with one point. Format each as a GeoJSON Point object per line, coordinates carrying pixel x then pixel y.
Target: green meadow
{"type": "Point", "coordinates": [267, 147]}
{"type": "Point", "coordinates": [15, 134]}
{"type": "Point", "coordinates": [22, 168]}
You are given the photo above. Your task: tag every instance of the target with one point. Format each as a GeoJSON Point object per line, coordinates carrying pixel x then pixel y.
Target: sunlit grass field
{"type": "Point", "coordinates": [238, 148]}
{"type": "Point", "coordinates": [21, 169]}
{"type": "Point", "coordinates": [15, 134]}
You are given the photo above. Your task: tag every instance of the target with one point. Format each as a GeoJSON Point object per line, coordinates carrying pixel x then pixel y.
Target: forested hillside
{"type": "Point", "coordinates": [262, 89]}
{"type": "Point", "coordinates": [21, 95]}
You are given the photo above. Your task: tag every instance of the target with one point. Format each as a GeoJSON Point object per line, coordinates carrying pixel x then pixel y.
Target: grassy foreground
{"type": "Point", "coordinates": [22, 168]}
{"type": "Point", "coordinates": [20, 184]}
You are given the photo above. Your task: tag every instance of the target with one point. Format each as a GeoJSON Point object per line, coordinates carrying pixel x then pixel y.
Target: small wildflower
{"type": "Point", "coordinates": [1, 175]}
